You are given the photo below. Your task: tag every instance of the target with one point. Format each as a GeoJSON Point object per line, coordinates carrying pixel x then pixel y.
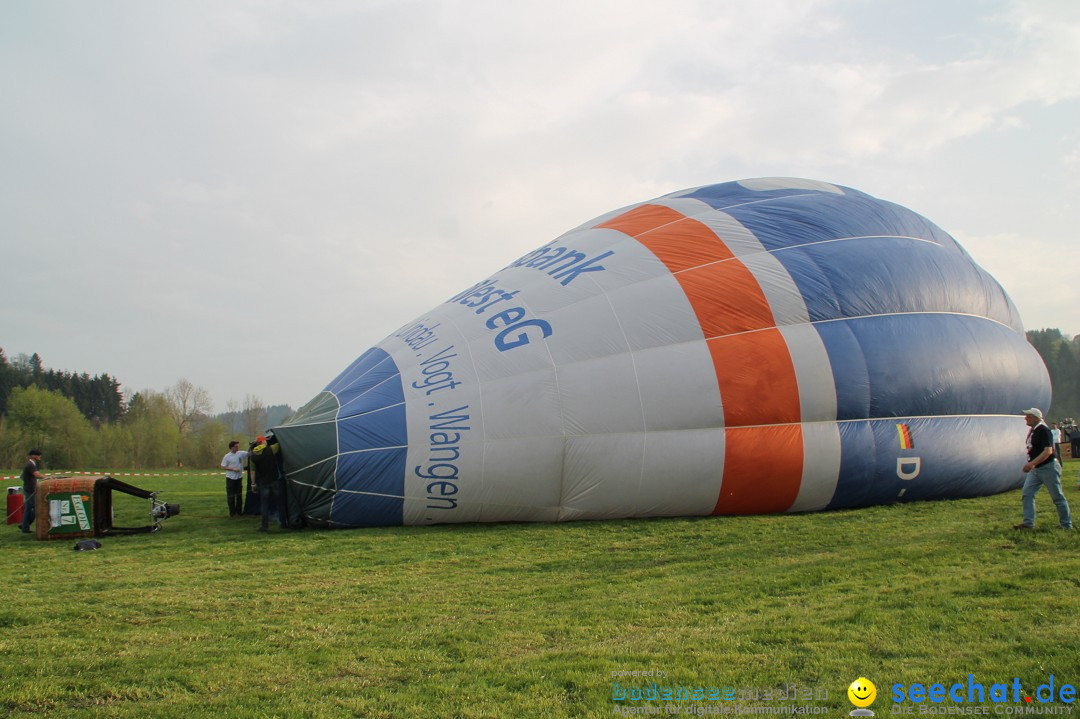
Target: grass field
{"type": "Point", "coordinates": [208, 618]}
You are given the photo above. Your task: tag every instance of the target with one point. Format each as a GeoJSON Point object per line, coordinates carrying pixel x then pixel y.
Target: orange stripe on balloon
{"type": "Point", "coordinates": [754, 370]}
{"type": "Point", "coordinates": [762, 469]}
{"type": "Point", "coordinates": [727, 299]}
{"type": "Point", "coordinates": [678, 241]}
{"type": "Point", "coordinates": [642, 219]}
{"type": "Point", "coordinates": [757, 379]}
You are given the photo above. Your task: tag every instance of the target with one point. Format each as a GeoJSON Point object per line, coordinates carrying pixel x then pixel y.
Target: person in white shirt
{"type": "Point", "coordinates": [1055, 433]}
{"type": "Point", "coordinates": [233, 464]}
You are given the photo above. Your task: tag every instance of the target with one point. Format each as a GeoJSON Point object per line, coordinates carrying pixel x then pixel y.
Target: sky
{"type": "Point", "coordinates": [248, 195]}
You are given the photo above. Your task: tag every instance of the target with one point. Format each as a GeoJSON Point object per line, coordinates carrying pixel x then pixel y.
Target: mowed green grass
{"type": "Point", "coordinates": [208, 618]}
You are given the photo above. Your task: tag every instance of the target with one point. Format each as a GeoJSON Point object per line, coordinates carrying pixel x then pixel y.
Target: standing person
{"type": "Point", "coordinates": [1055, 434]}
{"type": "Point", "coordinates": [1042, 470]}
{"type": "Point", "coordinates": [263, 457]}
{"type": "Point", "coordinates": [233, 464]}
{"type": "Point", "coordinates": [31, 473]}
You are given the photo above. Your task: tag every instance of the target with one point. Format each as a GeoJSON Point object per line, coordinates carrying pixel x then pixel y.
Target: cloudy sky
{"type": "Point", "coordinates": [250, 194]}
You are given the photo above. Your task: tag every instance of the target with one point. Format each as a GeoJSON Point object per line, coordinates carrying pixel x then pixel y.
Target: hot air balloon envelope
{"type": "Point", "coordinates": [769, 345]}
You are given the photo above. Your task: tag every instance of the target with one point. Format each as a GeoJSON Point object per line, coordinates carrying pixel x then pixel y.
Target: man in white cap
{"type": "Point", "coordinates": [1042, 469]}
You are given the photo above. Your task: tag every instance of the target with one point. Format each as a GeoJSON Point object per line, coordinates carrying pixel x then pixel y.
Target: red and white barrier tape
{"type": "Point", "coordinates": [99, 473]}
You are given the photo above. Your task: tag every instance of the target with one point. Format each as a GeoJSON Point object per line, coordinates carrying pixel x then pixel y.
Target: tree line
{"type": "Point", "coordinates": [98, 398]}
{"type": "Point", "coordinates": [1062, 357]}
{"type": "Point", "coordinates": [83, 422]}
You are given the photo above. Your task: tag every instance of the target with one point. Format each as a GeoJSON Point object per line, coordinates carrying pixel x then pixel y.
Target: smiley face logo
{"type": "Point", "coordinates": [862, 692]}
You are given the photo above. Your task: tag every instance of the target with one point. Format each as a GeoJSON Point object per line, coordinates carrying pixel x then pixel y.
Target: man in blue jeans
{"type": "Point", "coordinates": [1042, 469]}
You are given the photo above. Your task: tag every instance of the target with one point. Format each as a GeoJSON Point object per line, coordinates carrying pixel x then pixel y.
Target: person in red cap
{"type": "Point", "coordinates": [264, 458]}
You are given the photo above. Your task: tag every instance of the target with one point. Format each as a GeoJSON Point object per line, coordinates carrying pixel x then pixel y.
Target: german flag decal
{"type": "Point", "coordinates": [905, 437]}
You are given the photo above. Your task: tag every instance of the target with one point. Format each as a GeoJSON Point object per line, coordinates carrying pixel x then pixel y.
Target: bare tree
{"type": "Point", "coordinates": [187, 403]}
{"type": "Point", "coordinates": [254, 416]}
{"type": "Point", "coordinates": [232, 408]}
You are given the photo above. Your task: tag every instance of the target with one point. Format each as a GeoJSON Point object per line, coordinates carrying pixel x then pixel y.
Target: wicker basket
{"type": "Point", "coordinates": [71, 501]}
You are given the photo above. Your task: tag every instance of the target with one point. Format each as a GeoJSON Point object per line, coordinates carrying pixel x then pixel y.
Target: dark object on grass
{"type": "Point", "coordinates": [87, 545]}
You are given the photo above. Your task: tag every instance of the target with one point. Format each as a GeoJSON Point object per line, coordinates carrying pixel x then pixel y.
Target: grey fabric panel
{"type": "Point", "coordinates": [658, 474]}
{"type": "Point", "coordinates": [678, 387]}
{"type": "Point", "coordinates": [821, 466]}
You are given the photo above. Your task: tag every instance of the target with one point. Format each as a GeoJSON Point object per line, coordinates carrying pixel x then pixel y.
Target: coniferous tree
{"type": "Point", "coordinates": [35, 367]}
{"type": "Point", "coordinates": [7, 381]}
{"type": "Point", "coordinates": [98, 398]}
{"type": "Point", "coordinates": [1062, 361]}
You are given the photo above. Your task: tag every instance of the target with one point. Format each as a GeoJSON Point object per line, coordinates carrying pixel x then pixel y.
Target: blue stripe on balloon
{"type": "Point", "coordinates": [951, 457]}
{"type": "Point", "coordinates": [372, 436]}
{"type": "Point", "coordinates": [880, 274]}
{"type": "Point", "coordinates": [821, 217]}
{"type": "Point", "coordinates": [728, 195]}
{"type": "Point", "coordinates": [370, 489]}
{"type": "Point", "coordinates": [377, 390]}
{"type": "Point", "coordinates": [359, 367]}
{"type": "Point", "coordinates": [922, 365]}
{"type": "Point", "coordinates": [853, 485]}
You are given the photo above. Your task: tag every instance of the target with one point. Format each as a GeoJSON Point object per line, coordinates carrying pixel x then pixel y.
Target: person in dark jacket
{"type": "Point", "coordinates": [30, 475]}
{"type": "Point", "coordinates": [263, 456]}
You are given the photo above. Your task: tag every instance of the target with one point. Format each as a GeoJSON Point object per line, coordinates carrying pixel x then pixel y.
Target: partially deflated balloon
{"type": "Point", "coordinates": [769, 345]}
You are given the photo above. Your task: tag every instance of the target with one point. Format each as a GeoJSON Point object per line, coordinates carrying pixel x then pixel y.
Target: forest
{"type": "Point", "coordinates": [82, 421]}
{"type": "Point", "coordinates": [1062, 357]}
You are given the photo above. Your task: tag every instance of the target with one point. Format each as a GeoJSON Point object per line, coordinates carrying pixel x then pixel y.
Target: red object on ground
{"type": "Point", "coordinates": [14, 506]}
